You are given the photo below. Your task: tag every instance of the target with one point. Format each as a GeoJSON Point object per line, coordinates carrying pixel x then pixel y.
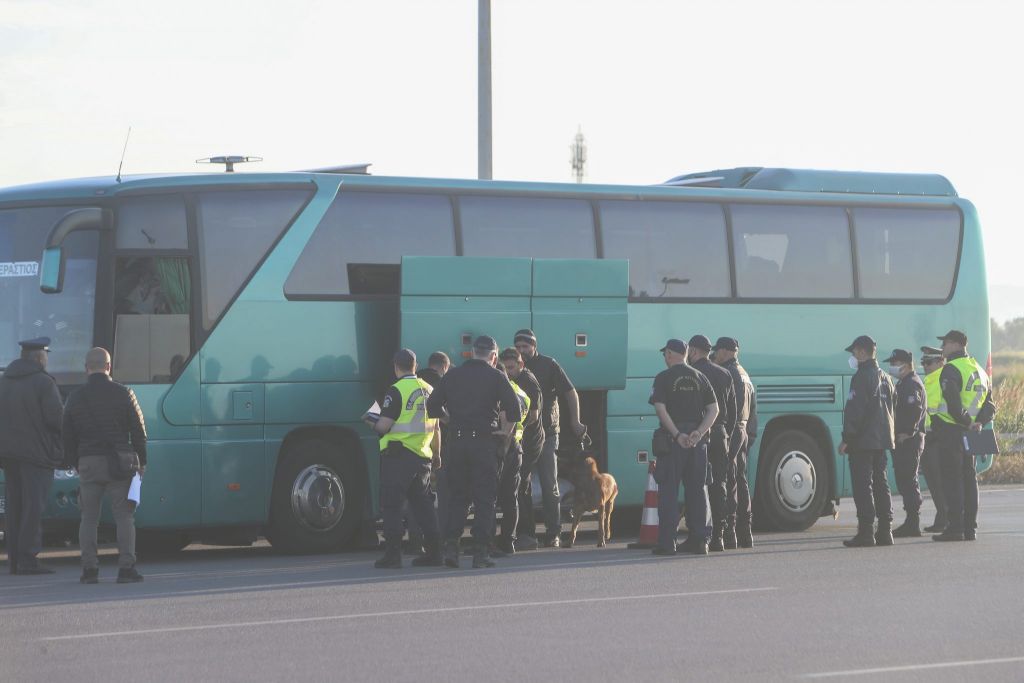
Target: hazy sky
{"type": "Point", "coordinates": [660, 88]}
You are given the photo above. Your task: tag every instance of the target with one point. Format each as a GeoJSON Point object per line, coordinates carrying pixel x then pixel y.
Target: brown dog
{"type": "Point", "coordinates": [593, 491]}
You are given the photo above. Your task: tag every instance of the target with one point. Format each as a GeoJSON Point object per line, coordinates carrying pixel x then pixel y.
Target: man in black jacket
{"type": "Point", "coordinates": [721, 430]}
{"type": "Point", "coordinates": [30, 415]}
{"type": "Point", "coordinates": [867, 435]}
{"type": "Point", "coordinates": [909, 414]}
{"type": "Point", "coordinates": [99, 417]}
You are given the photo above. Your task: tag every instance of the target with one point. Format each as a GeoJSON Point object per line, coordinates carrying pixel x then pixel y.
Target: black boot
{"type": "Point", "coordinates": [911, 528]}
{"type": "Point", "coordinates": [128, 575]}
{"type": "Point", "coordinates": [884, 534]}
{"type": "Point", "coordinates": [431, 556]}
{"type": "Point", "coordinates": [729, 536]}
{"type": "Point", "coordinates": [717, 543]}
{"type": "Point", "coordinates": [744, 537]}
{"type": "Point", "coordinates": [481, 557]}
{"type": "Point", "coordinates": [90, 575]}
{"type": "Point", "coordinates": [939, 525]}
{"type": "Point", "coordinates": [865, 537]}
{"type": "Point", "coordinates": [414, 546]}
{"type": "Point", "coordinates": [392, 556]}
{"type": "Point", "coordinates": [949, 535]}
{"type": "Point", "coordinates": [451, 553]}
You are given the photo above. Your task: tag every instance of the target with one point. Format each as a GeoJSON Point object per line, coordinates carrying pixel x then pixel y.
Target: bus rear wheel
{"type": "Point", "coordinates": [316, 503]}
{"type": "Point", "coordinates": [791, 483]}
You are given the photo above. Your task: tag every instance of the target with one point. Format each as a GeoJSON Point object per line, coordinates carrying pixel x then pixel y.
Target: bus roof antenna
{"type": "Point", "coordinates": [229, 161]}
{"type": "Point", "coordinates": [123, 150]}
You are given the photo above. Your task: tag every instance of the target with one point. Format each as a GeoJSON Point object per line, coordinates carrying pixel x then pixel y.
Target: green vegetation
{"type": "Point", "coordinates": [1009, 336]}
{"type": "Point", "coordinates": [1008, 395]}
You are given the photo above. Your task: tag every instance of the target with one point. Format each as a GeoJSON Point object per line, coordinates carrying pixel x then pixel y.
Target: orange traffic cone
{"type": "Point", "coordinates": [649, 521]}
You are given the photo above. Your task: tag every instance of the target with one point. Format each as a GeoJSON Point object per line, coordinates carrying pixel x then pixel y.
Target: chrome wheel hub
{"type": "Point", "coordinates": [318, 498]}
{"type": "Point", "coordinates": [796, 481]}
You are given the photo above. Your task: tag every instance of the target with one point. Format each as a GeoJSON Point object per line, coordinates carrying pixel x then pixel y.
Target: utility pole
{"type": "Point", "coordinates": [484, 170]}
{"type": "Point", "coordinates": [578, 155]}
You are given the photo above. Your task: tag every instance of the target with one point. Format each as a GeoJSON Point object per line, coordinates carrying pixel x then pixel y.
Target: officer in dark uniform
{"type": "Point", "coordinates": [685, 403]}
{"type": "Point", "coordinates": [867, 435]}
{"type": "Point", "coordinates": [532, 443]}
{"type": "Point", "coordinates": [932, 363]}
{"type": "Point", "coordinates": [909, 415]}
{"type": "Point", "coordinates": [482, 412]}
{"type": "Point", "coordinates": [738, 526]}
{"type": "Point", "coordinates": [408, 443]}
{"type": "Point", "coordinates": [967, 393]}
{"type": "Point", "coordinates": [721, 430]}
{"type": "Point", "coordinates": [31, 412]}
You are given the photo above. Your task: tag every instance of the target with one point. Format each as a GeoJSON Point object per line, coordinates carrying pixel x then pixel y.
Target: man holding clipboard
{"type": "Point", "coordinates": [967, 392]}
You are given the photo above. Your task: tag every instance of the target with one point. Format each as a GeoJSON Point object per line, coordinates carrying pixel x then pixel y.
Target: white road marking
{"type": "Point", "coordinates": [399, 613]}
{"type": "Point", "coordinates": [914, 667]}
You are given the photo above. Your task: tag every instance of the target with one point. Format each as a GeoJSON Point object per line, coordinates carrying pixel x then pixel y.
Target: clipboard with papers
{"type": "Point", "coordinates": [372, 413]}
{"type": "Point", "coordinates": [980, 443]}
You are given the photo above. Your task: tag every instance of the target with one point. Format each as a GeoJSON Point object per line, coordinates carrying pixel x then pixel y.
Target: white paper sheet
{"type": "Point", "coordinates": [372, 413]}
{"type": "Point", "coordinates": [135, 490]}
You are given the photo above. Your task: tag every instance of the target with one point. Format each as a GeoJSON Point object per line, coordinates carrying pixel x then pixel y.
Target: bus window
{"type": "Point", "coordinates": [520, 226]}
{"type": "Point", "coordinates": [236, 231]}
{"type": "Point", "coordinates": [798, 252]}
{"type": "Point", "coordinates": [152, 223]}
{"type": "Point", "coordinates": [906, 253]}
{"type": "Point", "coordinates": [674, 249]}
{"type": "Point", "coordinates": [359, 244]}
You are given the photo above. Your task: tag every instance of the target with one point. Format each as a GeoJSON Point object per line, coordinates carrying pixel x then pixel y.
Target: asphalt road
{"type": "Point", "coordinates": [796, 607]}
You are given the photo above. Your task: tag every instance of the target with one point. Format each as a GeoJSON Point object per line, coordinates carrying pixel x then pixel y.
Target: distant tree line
{"type": "Point", "coordinates": [1008, 336]}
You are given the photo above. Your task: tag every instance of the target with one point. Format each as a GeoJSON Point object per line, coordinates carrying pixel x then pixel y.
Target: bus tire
{"type": "Point", "coordinates": [317, 501]}
{"type": "Point", "coordinates": [792, 483]}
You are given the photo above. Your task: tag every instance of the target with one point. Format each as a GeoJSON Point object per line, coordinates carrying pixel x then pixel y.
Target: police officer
{"type": "Point", "coordinates": [867, 435]}
{"type": "Point", "coordinates": [532, 444]}
{"type": "Point", "coordinates": [554, 383]}
{"type": "Point", "coordinates": [685, 403]}
{"type": "Point", "coordinates": [718, 440]}
{"type": "Point", "coordinates": [408, 442]}
{"type": "Point", "coordinates": [931, 467]}
{"type": "Point", "coordinates": [437, 366]}
{"type": "Point", "coordinates": [510, 477]}
{"type": "Point", "coordinates": [738, 527]}
{"type": "Point", "coordinates": [30, 449]}
{"type": "Point", "coordinates": [967, 393]}
{"type": "Point", "coordinates": [482, 411]}
{"type": "Point", "coordinates": [909, 413]}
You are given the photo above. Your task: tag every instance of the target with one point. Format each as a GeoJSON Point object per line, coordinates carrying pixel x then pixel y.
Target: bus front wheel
{"type": "Point", "coordinates": [791, 483]}
{"type": "Point", "coordinates": [316, 503]}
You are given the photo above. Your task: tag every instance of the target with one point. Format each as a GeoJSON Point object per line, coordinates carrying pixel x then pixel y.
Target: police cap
{"type": "Point", "coordinates": [485, 343]}
{"type": "Point", "coordinates": [699, 341]}
{"type": "Point", "coordinates": [862, 342]}
{"type": "Point", "coordinates": [677, 345]}
{"type": "Point", "coordinates": [405, 359]}
{"type": "Point", "coordinates": [930, 351]}
{"type": "Point", "coordinates": [727, 344]}
{"type": "Point", "coordinates": [955, 336]}
{"type": "Point", "coordinates": [900, 356]}
{"type": "Point", "coordinates": [37, 344]}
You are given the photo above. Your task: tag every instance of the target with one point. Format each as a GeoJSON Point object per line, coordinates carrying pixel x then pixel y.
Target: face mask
{"type": "Point", "coordinates": [854, 364]}
{"type": "Point", "coordinates": [894, 370]}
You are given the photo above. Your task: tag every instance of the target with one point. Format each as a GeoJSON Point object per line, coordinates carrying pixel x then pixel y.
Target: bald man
{"type": "Point", "coordinates": [98, 417]}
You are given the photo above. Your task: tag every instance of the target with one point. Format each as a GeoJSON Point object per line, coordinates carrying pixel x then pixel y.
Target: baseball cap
{"type": "Point", "coordinates": [677, 345]}
{"type": "Point", "coordinates": [699, 341]}
{"type": "Point", "coordinates": [900, 356]}
{"type": "Point", "coordinates": [955, 336]}
{"type": "Point", "coordinates": [727, 344]}
{"type": "Point", "coordinates": [862, 342]}
{"type": "Point", "coordinates": [485, 343]}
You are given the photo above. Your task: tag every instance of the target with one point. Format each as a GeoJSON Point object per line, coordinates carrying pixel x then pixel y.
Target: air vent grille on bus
{"type": "Point", "coordinates": [796, 393]}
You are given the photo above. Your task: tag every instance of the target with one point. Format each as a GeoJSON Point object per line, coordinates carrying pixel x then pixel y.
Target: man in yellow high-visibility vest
{"type": "Point", "coordinates": [931, 466]}
{"type": "Point", "coordinates": [967, 391]}
{"type": "Point", "coordinates": [408, 442]}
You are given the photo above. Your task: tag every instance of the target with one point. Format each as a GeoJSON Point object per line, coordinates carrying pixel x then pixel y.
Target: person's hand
{"type": "Point", "coordinates": [900, 438]}
{"type": "Point", "coordinates": [842, 448]}
{"type": "Point", "coordinates": [579, 428]}
{"type": "Point", "coordinates": [976, 427]}
{"type": "Point", "coordinates": [142, 471]}
{"type": "Point", "coordinates": [435, 462]}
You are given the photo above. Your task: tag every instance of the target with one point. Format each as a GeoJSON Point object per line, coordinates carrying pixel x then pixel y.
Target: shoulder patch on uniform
{"type": "Point", "coordinates": [387, 402]}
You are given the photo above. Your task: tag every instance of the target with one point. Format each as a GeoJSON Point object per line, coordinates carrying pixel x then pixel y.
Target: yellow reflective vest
{"type": "Point", "coordinates": [413, 429]}
{"type": "Point", "coordinates": [974, 388]}
{"type": "Point", "coordinates": [524, 408]}
{"type": "Point", "coordinates": [933, 393]}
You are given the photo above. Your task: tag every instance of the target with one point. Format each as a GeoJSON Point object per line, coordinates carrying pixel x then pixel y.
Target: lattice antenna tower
{"type": "Point", "coordinates": [578, 155]}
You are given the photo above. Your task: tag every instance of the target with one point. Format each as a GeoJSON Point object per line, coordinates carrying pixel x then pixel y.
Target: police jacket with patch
{"type": "Point", "coordinates": [911, 405]}
{"type": "Point", "coordinates": [30, 415]}
{"type": "Point", "coordinates": [101, 415]}
{"type": "Point", "coordinates": [868, 415]}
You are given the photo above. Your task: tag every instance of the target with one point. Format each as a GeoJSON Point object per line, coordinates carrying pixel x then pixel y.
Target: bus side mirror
{"type": "Point", "coordinates": [51, 273]}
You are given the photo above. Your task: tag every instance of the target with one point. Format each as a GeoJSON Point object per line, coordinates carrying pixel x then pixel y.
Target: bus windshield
{"type": "Point", "coordinates": [25, 312]}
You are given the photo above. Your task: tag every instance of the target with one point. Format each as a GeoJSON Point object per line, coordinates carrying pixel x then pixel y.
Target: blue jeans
{"type": "Point", "coordinates": [690, 467]}
{"type": "Point", "coordinates": [547, 470]}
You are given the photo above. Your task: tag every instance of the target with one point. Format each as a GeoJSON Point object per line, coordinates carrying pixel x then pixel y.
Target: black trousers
{"type": "Point", "coordinates": [527, 525]}
{"type": "Point", "coordinates": [906, 463]}
{"type": "Point", "coordinates": [27, 487]}
{"type": "Point", "coordinates": [405, 476]}
{"type": "Point", "coordinates": [508, 491]}
{"type": "Point", "coordinates": [473, 463]}
{"type": "Point", "coordinates": [931, 468]}
{"type": "Point", "coordinates": [870, 486]}
{"type": "Point", "coordinates": [718, 489]}
{"type": "Point", "coordinates": [961, 481]}
{"type": "Point", "coordinates": [738, 511]}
